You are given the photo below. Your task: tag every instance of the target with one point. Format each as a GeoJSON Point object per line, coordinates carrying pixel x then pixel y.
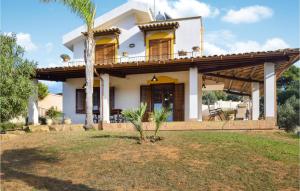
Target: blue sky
{"type": "Point", "coordinates": [230, 25]}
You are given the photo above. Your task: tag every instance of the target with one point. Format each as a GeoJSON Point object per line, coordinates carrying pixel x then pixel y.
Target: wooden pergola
{"type": "Point", "coordinates": [236, 71]}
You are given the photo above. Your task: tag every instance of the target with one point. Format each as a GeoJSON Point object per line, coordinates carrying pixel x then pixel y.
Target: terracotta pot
{"type": "Point", "coordinates": [182, 53]}
{"type": "Point", "coordinates": [67, 121]}
{"type": "Point", "coordinates": [125, 54]}
{"type": "Point", "coordinates": [49, 121]}
{"type": "Point", "coordinates": [196, 48]}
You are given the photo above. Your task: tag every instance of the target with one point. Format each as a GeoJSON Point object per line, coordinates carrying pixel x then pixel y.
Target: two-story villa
{"type": "Point", "coordinates": [160, 61]}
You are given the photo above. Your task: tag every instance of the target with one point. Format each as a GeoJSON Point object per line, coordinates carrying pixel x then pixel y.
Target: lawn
{"type": "Point", "coordinates": [191, 160]}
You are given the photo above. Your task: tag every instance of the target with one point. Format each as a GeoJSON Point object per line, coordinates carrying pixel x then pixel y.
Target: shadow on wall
{"type": "Point", "coordinates": [13, 161]}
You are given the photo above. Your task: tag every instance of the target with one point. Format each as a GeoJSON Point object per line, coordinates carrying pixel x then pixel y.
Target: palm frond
{"type": "Point", "coordinates": [85, 9]}
{"type": "Point", "coordinates": [135, 116]}
{"type": "Point", "coordinates": [160, 116]}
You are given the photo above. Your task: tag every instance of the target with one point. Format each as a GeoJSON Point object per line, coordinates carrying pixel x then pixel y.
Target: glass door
{"type": "Point", "coordinates": [163, 97]}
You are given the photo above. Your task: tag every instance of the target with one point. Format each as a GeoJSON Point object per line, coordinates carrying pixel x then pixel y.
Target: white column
{"type": "Point", "coordinates": [33, 112]}
{"type": "Point", "coordinates": [269, 89]}
{"type": "Point", "coordinates": [106, 114]}
{"type": "Point", "coordinates": [255, 100]}
{"type": "Point", "coordinates": [193, 97]}
{"type": "Point", "coordinates": [200, 97]}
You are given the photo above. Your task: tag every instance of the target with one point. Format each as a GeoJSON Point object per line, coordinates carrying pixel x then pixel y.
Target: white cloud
{"type": "Point", "coordinates": [49, 47]}
{"type": "Point", "coordinates": [212, 49]}
{"type": "Point", "coordinates": [183, 8]}
{"type": "Point", "coordinates": [224, 42]}
{"type": "Point", "coordinates": [249, 14]}
{"type": "Point", "coordinates": [24, 40]}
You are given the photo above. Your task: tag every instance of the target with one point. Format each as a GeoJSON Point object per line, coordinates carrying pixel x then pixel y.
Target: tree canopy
{"type": "Point", "coordinates": [16, 85]}
{"type": "Point", "coordinates": [42, 90]}
{"type": "Point", "coordinates": [288, 86]}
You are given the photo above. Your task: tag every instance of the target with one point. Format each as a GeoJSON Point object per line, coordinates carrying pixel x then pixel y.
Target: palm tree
{"type": "Point", "coordinates": [86, 10]}
{"type": "Point", "coordinates": [158, 117]}
{"type": "Point", "coordinates": [136, 117]}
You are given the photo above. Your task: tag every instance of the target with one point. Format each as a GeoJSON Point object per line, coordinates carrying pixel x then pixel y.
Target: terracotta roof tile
{"type": "Point", "coordinates": [159, 25]}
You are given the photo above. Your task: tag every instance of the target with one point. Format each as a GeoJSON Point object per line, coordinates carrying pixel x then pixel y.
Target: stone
{"type": "Point", "coordinates": [38, 128]}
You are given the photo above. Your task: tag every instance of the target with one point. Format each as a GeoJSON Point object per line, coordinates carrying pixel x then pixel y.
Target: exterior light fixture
{"type": "Point", "coordinates": [154, 79]}
{"type": "Point", "coordinates": [131, 45]}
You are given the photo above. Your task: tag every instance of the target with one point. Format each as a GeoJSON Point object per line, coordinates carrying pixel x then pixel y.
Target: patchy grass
{"type": "Point", "coordinates": [192, 160]}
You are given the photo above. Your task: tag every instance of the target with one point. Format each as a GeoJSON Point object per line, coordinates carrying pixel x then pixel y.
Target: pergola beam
{"type": "Point", "coordinates": [236, 93]}
{"type": "Point", "coordinates": [232, 78]}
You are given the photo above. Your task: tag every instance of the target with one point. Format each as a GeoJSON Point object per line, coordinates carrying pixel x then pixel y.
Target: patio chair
{"type": "Point", "coordinates": [215, 112]}
{"type": "Point", "coordinates": [241, 112]}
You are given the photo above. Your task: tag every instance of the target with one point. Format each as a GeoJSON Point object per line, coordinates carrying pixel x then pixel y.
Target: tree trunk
{"type": "Point", "coordinates": [89, 73]}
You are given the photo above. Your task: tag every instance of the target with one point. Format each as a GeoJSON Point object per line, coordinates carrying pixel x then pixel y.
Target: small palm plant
{"type": "Point", "coordinates": [159, 117]}
{"type": "Point", "coordinates": [135, 116]}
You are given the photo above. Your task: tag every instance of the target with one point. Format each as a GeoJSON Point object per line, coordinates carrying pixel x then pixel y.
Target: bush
{"type": "Point", "coordinates": [10, 126]}
{"type": "Point", "coordinates": [42, 91]}
{"type": "Point", "coordinates": [52, 113]}
{"type": "Point", "coordinates": [42, 120]}
{"type": "Point", "coordinates": [135, 116]}
{"type": "Point", "coordinates": [288, 114]}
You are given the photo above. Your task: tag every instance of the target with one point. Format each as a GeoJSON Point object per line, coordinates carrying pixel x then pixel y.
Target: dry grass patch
{"type": "Point", "coordinates": [90, 161]}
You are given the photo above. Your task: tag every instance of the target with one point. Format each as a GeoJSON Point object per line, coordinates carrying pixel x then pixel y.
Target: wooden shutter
{"type": "Point", "coordinates": [80, 101]}
{"type": "Point", "coordinates": [105, 54]}
{"type": "Point", "coordinates": [159, 49]}
{"type": "Point", "coordinates": [145, 97]}
{"type": "Point", "coordinates": [154, 50]}
{"type": "Point", "coordinates": [179, 102]}
{"type": "Point", "coordinates": [165, 49]}
{"type": "Point", "coordinates": [112, 98]}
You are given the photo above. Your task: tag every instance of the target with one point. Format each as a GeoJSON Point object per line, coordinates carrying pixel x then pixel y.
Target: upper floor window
{"type": "Point", "coordinates": [105, 53]}
{"type": "Point", "coordinates": [160, 49]}
{"type": "Point", "coordinates": [107, 42]}
{"type": "Point", "coordinates": [159, 39]}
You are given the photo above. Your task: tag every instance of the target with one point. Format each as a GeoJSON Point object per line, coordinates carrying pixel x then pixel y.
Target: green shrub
{"type": "Point", "coordinates": [160, 116]}
{"type": "Point", "coordinates": [52, 113]}
{"type": "Point", "coordinates": [7, 126]}
{"type": "Point", "coordinates": [42, 120]}
{"type": "Point", "coordinates": [136, 117]}
{"type": "Point", "coordinates": [288, 114]}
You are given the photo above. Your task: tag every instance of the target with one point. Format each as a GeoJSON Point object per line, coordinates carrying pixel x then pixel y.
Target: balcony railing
{"type": "Point", "coordinates": [123, 59]}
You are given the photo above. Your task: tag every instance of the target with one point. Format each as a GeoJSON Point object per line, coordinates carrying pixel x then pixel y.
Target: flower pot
{"type": "Point", "coordinates": [49, 121]}
{"type": "Point", "coordinates": [196, 49]}
{"type": "Point", "coordinates": [66, 59]}
{"type": "Point", "coordinates": [125, 54]}
{"type": "Point", "coordinates": [182, 53]}
{"type": "Point", "coordinates": [67, 121]}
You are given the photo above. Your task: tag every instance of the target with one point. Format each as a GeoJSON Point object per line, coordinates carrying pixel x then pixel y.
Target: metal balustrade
{"type": "Point", "coordinates": [125, 59]}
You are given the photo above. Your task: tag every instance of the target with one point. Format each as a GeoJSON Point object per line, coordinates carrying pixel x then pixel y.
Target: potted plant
{"type": "Point", "coordinates": [49, 121]}
{"type": "Point", "coordinates": [67, 121]}
{"type": "Point", "coordinates": [65, 57]}
{"type": "Point", "coordinates": [125, 54]}
{"type": "Point", "coordinates": [196, 48]}
{"type": "Point", "coordinates": [182, 53]}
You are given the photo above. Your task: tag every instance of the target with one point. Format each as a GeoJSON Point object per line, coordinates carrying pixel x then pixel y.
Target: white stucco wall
{"type": "Point", "coordinates": [187, 36]}
{"type": "Point", "coordinates": [69, 99]}
{"type": "Point", "coordinates": [127, 92]}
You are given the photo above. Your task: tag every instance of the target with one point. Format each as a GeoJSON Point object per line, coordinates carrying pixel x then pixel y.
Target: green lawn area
{"type": "Point", "coordinates": [193, 160]}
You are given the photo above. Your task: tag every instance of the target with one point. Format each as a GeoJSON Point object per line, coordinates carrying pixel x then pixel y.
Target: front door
{"type": "Point", "coordinates": [163, 97]}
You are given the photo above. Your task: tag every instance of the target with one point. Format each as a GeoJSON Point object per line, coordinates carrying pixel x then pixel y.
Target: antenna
{"type": "Point", "coordinates": [154, 9]}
